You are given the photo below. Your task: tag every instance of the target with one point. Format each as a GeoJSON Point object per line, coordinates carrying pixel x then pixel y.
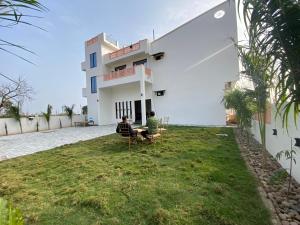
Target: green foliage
{"type": "Point", "coordinates": [84, 110]}
{"type": "Point", "coordinates": [15, 112]}
{"type": "Point", "coordinates": [274, 30]}
{"type": "Point", "coordinates": [191, 177]}
{"type": "Point", "coordinates": [289, 155]}
{"type": "Point", "coordinates": [278, 177]}
{"type": "Point", "coordinates": [243, 103]}
{"type": "Point", "coordinates": [257, 69]}
{"type": "Point", "coordinates": [47, 115]}
{"type": "Point", "coordinates": [12, 12]}
{"type": "Point", "coordinates": [69, 110]}
{"type": "Point", "coordinates": [9, 215]}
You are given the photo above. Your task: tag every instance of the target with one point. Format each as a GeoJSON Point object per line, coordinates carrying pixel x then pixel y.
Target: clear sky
{"type": "Point", "coordinates": [57, 77]}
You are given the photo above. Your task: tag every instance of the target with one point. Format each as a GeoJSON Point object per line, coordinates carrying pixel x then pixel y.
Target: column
{"type": "Point", "coordinates": [143, 97]}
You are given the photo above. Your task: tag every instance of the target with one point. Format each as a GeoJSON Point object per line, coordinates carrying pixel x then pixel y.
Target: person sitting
{"type": "Point", "coordinates": [152, 124]}
{"type": "Point", "coordinates": [125, 128]}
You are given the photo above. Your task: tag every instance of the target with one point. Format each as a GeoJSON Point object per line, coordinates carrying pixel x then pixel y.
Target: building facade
{"type": "Point", "coordinates": [181, 75]}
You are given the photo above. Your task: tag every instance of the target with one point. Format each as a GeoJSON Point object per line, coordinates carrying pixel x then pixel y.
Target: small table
{"type": "Point", "coordinates": [139, 130]}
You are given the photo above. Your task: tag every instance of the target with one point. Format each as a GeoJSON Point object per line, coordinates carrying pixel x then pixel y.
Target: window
{"type": "Point", "coordinates": [93, 60]}
{"type": "Point", "coordinates": [120, 67]}
{"type": "Point", "coordinates": [123, 109]}
{"type": "Point", "coordinates": [93, 84]}
{"type": "Point", "coordinates": [140, 62]}
{"type": "Point", "coordinates": [130, 110]}
{"type": "Point", "coordinates": [127, 108]}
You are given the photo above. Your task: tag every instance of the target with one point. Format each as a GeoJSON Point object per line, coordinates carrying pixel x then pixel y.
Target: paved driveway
{"type": "Point", "coordinates": [25, 144]}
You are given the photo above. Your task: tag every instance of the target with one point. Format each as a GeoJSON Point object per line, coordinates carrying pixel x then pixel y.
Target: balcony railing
{"type": "Point", "coordinates": [119, 74]}
{"type": "Point", "coordinates": [124, 51]}
{"type": "Point", "coordinates": [124, 73]}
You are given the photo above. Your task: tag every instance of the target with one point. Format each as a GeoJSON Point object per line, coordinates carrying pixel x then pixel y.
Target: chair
{"type": "Point", "coordinates": [152, 137]}
{"type": "Point", "coordinates": [165, 122]}
{"type": "Point", "coordinates": [124, 131]}
{"type": "Point", "coordinates": [163, 125]}
{"type": "Point", "coordinates": [90, 121]}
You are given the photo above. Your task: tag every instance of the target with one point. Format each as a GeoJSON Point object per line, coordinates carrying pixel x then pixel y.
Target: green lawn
{"type": "Point", "coordinates": [193, 177]}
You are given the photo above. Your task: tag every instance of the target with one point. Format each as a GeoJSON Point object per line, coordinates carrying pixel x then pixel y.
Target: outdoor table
{"type": "Point", "coordinates": [139, 130]}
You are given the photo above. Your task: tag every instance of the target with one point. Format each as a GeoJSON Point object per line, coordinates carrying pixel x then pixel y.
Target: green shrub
{"type": "Point", "coordinates": [9, 215]}
{"type": "Point", "coordinates": [278, 177]}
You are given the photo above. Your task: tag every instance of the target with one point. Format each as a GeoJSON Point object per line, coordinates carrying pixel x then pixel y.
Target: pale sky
{"type": "Point", "coordinates": [57, 78]}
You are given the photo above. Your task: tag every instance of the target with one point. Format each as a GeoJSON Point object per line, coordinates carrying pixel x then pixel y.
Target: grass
{"type": "Point", "coordinates": [192, 177]}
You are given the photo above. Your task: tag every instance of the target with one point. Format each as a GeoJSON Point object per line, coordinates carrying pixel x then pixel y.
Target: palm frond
{"type": "Point", "coordinates": [274, 29]}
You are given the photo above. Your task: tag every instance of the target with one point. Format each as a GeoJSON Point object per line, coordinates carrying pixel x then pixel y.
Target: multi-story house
{"type": "Point", "coordinates": [181, 75]}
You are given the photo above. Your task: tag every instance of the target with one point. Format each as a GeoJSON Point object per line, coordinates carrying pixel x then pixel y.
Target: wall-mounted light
{"type": "Point", "coordinates": [160, 92]}
{"type": "Point", "coordinates": [158, 56]}
{"type": "Point", "coordinates": [297, 144]}
{"type": "Point", "coordinates": [274, 131]}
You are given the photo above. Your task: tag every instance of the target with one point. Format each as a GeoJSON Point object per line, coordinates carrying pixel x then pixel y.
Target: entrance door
{"type": "Point", "coordinates": [148, 107]}
{"type": "Point", "coordinates": [138, 110]}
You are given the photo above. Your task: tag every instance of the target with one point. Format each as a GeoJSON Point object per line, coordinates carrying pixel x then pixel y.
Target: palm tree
{"type": "Point", "coordinates": [274, 29]}
{"type": "Point", "coordinates": [69, 111]}
{"type": "Point", "coordinates": [84, 111]}
{"type": "Point", "coordinates": [257, 69]}
{"type": "Point", "coordinates": [15, 112]}
{"type": "Point", "coordinates": [47, 115]}
{"type": "Point", "coordinates": [12, 12]}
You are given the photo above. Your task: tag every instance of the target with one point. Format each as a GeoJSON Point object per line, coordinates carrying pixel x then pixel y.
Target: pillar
{"type": "Point", "coordinates": [143, 98]}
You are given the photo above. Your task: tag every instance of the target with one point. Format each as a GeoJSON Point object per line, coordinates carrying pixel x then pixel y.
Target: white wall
{"type": "Point", "coordinates": [199, 59]}
{"type": "Point", "coordinates": [282, 141]}
{"type": "Point", "coordinates": [120, 93]}
{"type": "Point", "coordinates": [31, 125]}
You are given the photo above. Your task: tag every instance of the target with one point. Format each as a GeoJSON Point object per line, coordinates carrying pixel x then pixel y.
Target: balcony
{"type": "Point", "coordinates": [84, 95]}
{"type": "Point", "coordinates": [139, 48]}
{"type": "Point", "coordinates": [128, 75]}
{"type": "Point", "coordinates": [83, 66]}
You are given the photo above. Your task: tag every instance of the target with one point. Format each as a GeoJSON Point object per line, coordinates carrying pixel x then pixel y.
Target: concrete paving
{"type": "Point", "coordinates": [29, 143]}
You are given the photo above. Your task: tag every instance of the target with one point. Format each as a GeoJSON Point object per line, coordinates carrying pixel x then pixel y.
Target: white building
{"type": "Point", "coordinates": [182, 74]}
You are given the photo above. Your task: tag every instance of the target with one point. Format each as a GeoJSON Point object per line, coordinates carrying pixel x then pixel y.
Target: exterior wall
{"type": "Point", "coordinates": [281, 141]}
{"type": "Point", "coordinates": [125, 92]}
{"type": "Point", "coordinates": [199, 59]}
{"type": "Point", "coordinates": [92, 98]}
{"type": "Point", "coordinates": [101, 47]}
{"type": "Point", "coordinates": [30, 125]}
